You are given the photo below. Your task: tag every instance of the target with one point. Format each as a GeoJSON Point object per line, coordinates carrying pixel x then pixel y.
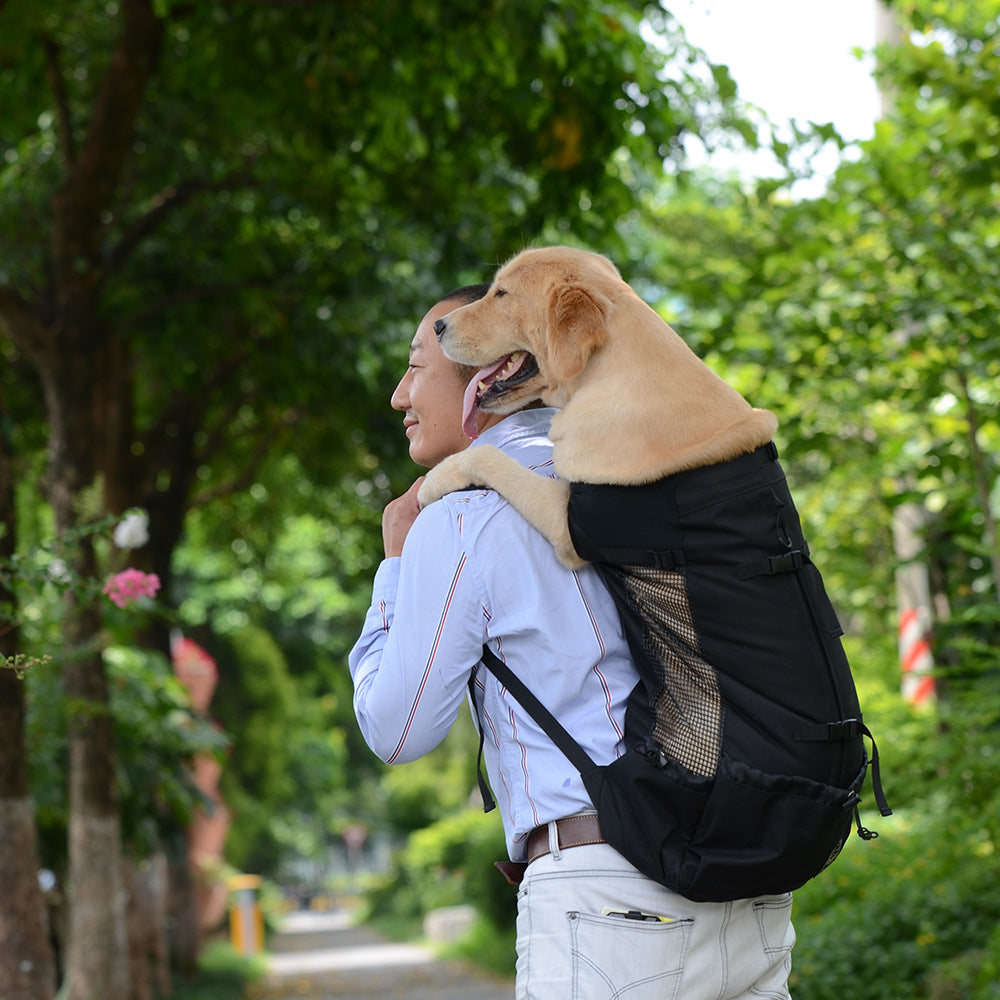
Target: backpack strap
{"type": "Point", "coordinates": [665, 559]}
{"type": "Point", "coordinates": [847, 729]}
{"type": "Point", "coordinates": [552, 728]}
{"type": "Point", "coordinates": [489, 803]}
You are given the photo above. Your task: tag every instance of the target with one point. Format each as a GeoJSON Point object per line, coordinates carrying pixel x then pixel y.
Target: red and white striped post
{"type": "Point", "coordinates": [914, 602]}
{"type": "Point", "coordinates": [916, 658]}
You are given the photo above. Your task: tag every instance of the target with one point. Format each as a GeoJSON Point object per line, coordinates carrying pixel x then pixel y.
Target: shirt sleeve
{"type": "Point", "coordinates": [422, 637]}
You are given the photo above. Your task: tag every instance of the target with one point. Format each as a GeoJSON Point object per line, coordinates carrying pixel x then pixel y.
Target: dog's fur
{"type": "Point", "coordinates": [636, 404]}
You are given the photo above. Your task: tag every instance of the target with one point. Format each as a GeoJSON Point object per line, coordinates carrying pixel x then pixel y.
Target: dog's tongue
{"type": "Point", "coordinates": [470, 401]}
{"type": "Point", "coordinates": [482, 380]}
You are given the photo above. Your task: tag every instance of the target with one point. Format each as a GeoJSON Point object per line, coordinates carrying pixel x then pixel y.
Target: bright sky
{"type": "Point", "coordinates": [792, 58]}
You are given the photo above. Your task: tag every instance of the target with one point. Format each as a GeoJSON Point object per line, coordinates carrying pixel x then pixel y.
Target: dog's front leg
{"type": "Point", "coordinates": [541, 501]}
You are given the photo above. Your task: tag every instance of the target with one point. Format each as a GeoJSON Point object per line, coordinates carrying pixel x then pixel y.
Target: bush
{"type": "Point", "coordinates": [448, 863]}
{"type": "Point", "coordinates": [892, 917]}
{"type": "Point", "coordinates": [222, 975]}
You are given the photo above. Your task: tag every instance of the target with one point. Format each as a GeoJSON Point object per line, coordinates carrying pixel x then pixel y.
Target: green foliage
{"type": "Point", "coordinates": [447, 863]}
{"type": "Point", "coordinates": [156, 734]}
{"type": "Point", "coordinates": [286, 766]}
{"type": "Point", "coordinates": [222, 975]}
{"type": "Point", "coordinates": [891, 916]}
{"type": "Point", "coordinates": [267, 243]}
{"type": "Point", "coordinates": [421, 793]}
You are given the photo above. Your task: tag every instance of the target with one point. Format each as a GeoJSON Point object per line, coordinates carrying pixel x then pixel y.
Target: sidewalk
{"type": "Point", "coordinates": [324, 956]}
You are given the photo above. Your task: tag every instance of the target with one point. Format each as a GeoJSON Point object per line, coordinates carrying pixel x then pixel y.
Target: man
{"type": "Point", "coordinates": [471, 572]}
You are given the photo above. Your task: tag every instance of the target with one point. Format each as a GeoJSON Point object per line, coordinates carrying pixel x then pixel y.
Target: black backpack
{"type": "Point", "coordinates": [745, 752]}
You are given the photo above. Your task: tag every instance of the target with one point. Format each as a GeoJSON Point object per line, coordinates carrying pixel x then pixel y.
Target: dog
{"type": "Point", "coordinates": [636, 404]}
{"type": "Point", "coordinates": [744, 732]}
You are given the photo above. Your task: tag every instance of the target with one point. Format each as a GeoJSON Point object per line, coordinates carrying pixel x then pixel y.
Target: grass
{"type": "Point", "coordinates": [222, 975]}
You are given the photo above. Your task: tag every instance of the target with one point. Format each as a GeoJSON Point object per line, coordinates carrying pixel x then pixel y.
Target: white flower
{"type": "Point", "coordinates": [132, 531]}
{"type": "Point", "coordinates": [58, 571]}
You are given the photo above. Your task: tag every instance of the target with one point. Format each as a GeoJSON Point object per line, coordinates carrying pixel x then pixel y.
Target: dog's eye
{"type": "Point", "coordinates": [500, 293]}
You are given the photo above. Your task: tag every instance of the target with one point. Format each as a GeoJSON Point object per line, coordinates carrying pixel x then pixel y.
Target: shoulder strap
{"type": "Point", "coordinates": [552, 728]}
{"type": "Point", "coordinates": [489, 803]}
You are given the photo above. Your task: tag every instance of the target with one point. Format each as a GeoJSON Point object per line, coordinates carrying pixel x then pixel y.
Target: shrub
{"type": "Point", "coordinates": [889, 915]}
{"type": "Point", "coordinates": [448, 863]}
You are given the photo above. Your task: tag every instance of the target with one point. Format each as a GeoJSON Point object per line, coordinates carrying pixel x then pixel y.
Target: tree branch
{"type": "Point", "coordinates": [91, 182]}
{"type": "Point", "coordinates": [57, 84]}
{"type": "Point", "coordinates": [251, 465]}
{"type": "Point", "coordinates": [163, 204]}
{"type": "Point", "coordinates": [21, 324]}
{"type": "Point", "coordinates": [194, 293]}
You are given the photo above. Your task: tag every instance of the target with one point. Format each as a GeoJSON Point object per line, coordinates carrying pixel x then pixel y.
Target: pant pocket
{"type": "Point", "coordinates": [773, 921]}
{"type": "Point", "coordinates": [618, 959]}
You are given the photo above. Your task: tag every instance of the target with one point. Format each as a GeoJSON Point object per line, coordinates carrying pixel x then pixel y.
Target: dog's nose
{"type": "Point", "coordinates": [439, 327]}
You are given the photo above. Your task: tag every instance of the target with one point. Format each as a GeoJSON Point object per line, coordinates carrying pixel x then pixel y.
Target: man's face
{"type": "Point", "coordinates": [430, 396]}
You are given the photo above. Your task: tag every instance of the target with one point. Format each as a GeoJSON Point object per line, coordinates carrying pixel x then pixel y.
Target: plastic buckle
{"type": "Point", "coordinates": [786, 562]}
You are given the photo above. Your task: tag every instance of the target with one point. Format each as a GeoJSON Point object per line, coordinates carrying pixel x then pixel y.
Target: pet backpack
{"type": "Point", "coordinates": [745, 752]}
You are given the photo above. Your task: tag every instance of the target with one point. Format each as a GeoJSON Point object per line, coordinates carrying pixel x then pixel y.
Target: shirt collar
{"type": "Point", "coordinates": [518, 427]}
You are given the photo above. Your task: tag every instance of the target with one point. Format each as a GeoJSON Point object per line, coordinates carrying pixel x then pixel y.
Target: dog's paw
{"type": "Point", "coordinates": [566, 554]}
{"type": "Point", "coordinates": [446, 477]}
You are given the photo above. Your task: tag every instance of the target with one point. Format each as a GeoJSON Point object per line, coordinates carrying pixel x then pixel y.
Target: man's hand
{"type": "Point", "coordinates": [397, 518]}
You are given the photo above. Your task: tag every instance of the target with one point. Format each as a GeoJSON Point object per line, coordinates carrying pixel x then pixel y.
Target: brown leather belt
{"type": "Point", "coordinates": [573, 831]}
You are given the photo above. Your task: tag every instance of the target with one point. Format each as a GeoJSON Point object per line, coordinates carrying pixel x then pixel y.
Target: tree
{"type": "Point", "coordinates": [865, 318]}
{"type": "Point", "coordinates": [23, 923]}
{"type": "Point", "coordinates": [180, 238]}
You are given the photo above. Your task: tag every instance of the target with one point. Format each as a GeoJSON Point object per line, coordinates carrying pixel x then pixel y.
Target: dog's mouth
{"type": "Point", "coordinates": [490, 384]}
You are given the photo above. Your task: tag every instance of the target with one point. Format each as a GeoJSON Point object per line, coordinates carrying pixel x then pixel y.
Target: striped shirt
{"type": "Point", "coordinates": [473, 572]}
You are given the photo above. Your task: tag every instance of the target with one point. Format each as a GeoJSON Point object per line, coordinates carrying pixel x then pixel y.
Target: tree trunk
{"type": "Point", "coordinates": [97, 956]}
{"type": "Point", "coordinates": [147, 923]}
{"type": "Point", "coordinates": [97, 964]}
{"type": "Point", "coordinates": [27, 963]}
{"type": "Point", "coordinates": [185, 936]}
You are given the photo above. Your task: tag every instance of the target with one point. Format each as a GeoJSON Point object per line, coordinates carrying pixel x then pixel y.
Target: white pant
{"type": "Point", "coordinates": [571, 945]}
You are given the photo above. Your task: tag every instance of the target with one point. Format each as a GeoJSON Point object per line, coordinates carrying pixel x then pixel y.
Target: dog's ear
{"type": "Point", "coordinates": [578, 324]}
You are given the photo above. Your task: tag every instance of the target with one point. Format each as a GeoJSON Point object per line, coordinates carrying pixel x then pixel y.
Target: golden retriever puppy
{"type": "Point", "coordinates": [636, 404]}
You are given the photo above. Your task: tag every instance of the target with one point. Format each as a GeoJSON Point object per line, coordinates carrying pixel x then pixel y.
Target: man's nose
{"type": "Point", "coordinates": [400, 398]}
{"type": "Point", "coordinates": [439, 327]}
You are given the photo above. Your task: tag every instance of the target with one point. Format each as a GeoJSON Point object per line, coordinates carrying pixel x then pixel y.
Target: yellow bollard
{"type": "Point", "coordinates": [246, 921]}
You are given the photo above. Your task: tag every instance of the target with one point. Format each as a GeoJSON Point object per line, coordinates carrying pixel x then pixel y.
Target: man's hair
{"type": "Point", "coordinates": [465, 294]}
{"type": "Point", "coordinates": [462, 297]}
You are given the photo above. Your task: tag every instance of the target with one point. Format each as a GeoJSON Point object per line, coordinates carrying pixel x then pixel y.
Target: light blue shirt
{"type": "Point", "coordinates": [473, 572]}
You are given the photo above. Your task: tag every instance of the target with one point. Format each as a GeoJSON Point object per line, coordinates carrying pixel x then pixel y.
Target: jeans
{"type": "Point", "coordinates": [574, 941]}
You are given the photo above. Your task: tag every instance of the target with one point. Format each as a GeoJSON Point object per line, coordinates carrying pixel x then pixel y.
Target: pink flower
{"type": "Point", "coordinates": [129, 585]}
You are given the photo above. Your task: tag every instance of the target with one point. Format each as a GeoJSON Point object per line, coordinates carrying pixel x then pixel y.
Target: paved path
{"type": "Point", "coordinates": [326, 957]}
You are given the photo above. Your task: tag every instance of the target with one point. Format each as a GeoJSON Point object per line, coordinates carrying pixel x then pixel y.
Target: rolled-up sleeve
{"type": "Point", "coordinates": [422, 636]}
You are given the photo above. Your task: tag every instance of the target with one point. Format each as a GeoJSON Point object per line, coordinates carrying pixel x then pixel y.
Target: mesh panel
{"type": "Point", "coordinates": [688, 708]}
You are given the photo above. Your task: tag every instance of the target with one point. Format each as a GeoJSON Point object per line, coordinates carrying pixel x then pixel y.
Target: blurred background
{"type": "Point", "coordinates": [220, 221]}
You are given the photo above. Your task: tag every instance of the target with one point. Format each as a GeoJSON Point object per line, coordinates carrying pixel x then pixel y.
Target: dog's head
{"type": "Point", "coordinates": [545, 314]}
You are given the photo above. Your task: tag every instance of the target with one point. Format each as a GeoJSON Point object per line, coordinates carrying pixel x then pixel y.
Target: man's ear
{"type": "Point", "coordinates": [578, 324]}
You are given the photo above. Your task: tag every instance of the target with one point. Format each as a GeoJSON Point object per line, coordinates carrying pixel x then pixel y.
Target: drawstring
{"type": "Point", "coordinates": [779, 522]}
